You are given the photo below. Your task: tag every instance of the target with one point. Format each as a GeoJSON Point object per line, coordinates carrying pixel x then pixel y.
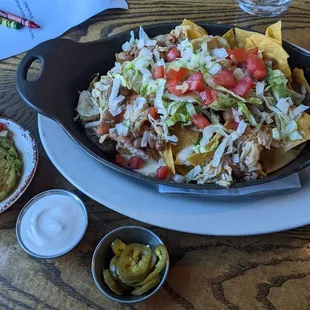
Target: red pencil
{"type": "Point", "coordinates": [20, 20]}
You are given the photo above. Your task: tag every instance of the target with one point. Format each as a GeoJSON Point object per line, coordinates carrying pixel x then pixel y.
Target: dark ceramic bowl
{"type": "Point", "coordinates": [103, 255]}
{"type": "Point", "coordinates": [67, 68]}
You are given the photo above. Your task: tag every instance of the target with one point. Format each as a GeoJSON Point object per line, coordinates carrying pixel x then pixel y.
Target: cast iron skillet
{"type": "Point", "coordinates": [67, 67]}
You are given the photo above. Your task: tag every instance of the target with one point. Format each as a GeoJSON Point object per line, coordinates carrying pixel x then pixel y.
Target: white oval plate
{"type": "Point", "coordinates": [27, 148]}
{"type": "Point", "coordinates": [142, 201]}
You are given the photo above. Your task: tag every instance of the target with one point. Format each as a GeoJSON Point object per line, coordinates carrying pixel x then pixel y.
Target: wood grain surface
{"type": "Point", "coordinates": [261, 272]}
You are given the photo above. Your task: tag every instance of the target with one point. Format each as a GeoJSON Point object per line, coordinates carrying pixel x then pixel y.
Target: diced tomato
{"type": "Point", "coordinates": [120, 160]}
{"type": "Point", "coordinates": [208, 95]}
{"type": "Point", "coordinates": [162, 172]}
{"type": "Point", "coordinates": [153, 112]}
{"type": "Point", "coordinates": [234, 125]}
{"type": "Point", "coordinates": [158, 72]}
{"type": "Point", "coordinates": [2, 127]}
{"type": "Point", "coordinates": [196, 82]}
{"type": "Point", "coordinates": [173, 75]}
{"type": "Point", "coordinates": [243, 86]}
{"type": "Point", "coordinates": [200, 121]}
{"type": "Point", "coordinates": [173, 54]}
{"type": "Point", "coordinates": [253, 50]}
{"type": "Point", "coordinates": [256, 66]}
{"type": "Point", "coordinates": [225, 78]}
{"type": "Point", "coordinates": [135, 162]}
{"type": "Point", "coordinates": [171, 85]}
{"type": "Point", "coordinates": [240, 54]}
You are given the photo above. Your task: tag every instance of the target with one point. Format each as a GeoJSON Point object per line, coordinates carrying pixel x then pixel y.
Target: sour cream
{"type": "Point", "coordinates": [52, 223]}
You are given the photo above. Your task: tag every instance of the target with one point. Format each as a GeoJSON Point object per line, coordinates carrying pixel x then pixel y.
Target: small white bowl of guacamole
{"type": "Point", "coordinates": [18, 161]}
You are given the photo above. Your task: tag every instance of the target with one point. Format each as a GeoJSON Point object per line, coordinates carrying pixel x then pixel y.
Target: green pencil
{"type": "Point", "coordinates": [9, 23]}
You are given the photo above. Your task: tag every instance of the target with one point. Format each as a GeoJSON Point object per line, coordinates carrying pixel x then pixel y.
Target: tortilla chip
{"type": "Point", "coordinates": [186, 137]}
{"type": "Point", "coordinates": [200, 159]}
{"type": "Point", "coordinates": [242, 35]}
{"type": "Point", "coordinates": [275, 159]}
{"type": "Point", "coordinates": [271, 49]}
{"type": "Point", "coordinates": [168, 157]}
{"type": "Point", "coordinates": [274, 32]}
{"type": "Point", "coordinates": [229, 36]}
{"type": "Point", "coordinates": [193, 30]}
{"type": "Point", "coordinates": [183, 170]}
{"type": "Point", "coordinates": [261, 173]}
{"type": "Point", "coordinates": [300, 77]}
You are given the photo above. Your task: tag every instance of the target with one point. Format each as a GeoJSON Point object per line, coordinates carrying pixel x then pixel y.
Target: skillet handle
{"type": "Point", "coordinates": [51, 89]}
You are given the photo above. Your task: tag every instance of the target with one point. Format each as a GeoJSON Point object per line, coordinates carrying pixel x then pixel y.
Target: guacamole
{"type": "Point", "coordinates": [10, 165]}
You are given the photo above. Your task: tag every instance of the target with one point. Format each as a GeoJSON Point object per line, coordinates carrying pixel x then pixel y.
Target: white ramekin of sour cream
{"type": "Point", "coordinates": [51, 224]}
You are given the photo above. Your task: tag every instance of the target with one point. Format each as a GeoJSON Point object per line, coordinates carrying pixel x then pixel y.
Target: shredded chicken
{"type": "Point", "coordinates": [221, 175]}
{"type": "Point", "coordinates": [249, 156]}
{"type": "Point", "coordinates": [265, 137]}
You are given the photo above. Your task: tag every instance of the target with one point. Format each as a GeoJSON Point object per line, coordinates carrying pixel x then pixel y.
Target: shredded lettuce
{"type": "Point", "coordinates": [178, 117]}
{"type": "Point", "coordinates": [192, 174]}
{"type": "Point", "coordinates": [225, 90]}
{"type": "Point", "coordinates": [194, 63]}
{"type": "Point", "coordinates": [144, 39]}
{"type": "Point", "coordinates": [209, 132]}
{"type": "Point", "coordinates": [186, 49]}
{"type": "Point", "coordinates": [227, 142]}
{"type": "Point", "coordinates": [180, 112]}
{"type": "Point", "coordinates": [298, 111]}
{"type": "Point", "coordinates": [295, 136]}
{"type": "Point", "coordinates": [177, 64]}
{"type": "Point", "coordinates": [286, 125]}
{"type": "Point", "coordinates": [213, 117]}
{"type": "Point", "coordinates": [275, 134]}
{"type": "Point", "coordinates": [209, 147]}
{"type": "Point", "coordinates": [223, 103]}
{"type": "Point", "coordinates": [260, 88]}
{"type": "Point", "coordinates": [283, 105]}
{"type": "Point", "coordinates": [115, 100]}
{"type": "Point", "coordinates": [159, 102]}
{"type": "Point", "coordinates": [127, 46]}
{"type": "Point", "coordinates": [121, 129]}
{"type": "Point", "coordinates": [191, 109]}
{"type": "Point", "coordinates": [275, 77]}
{"type": "Point", "coordinates": [254, 100]}
{"type": "Point", "coordinates": [287, 128]}
{"type": "Point", "coordinates": [278, 83]}
{"type": "Point", "coordinates": [178, 178]}
{"type": "Point", "coordinates": [191, 98]}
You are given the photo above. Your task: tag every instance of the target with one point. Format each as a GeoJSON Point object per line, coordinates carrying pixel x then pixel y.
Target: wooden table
{"type": "Point", "coordinates": [261, 272]}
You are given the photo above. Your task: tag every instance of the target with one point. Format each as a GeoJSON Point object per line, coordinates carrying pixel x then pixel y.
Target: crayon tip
{"type": "Point", "coordinates": [34, 25]}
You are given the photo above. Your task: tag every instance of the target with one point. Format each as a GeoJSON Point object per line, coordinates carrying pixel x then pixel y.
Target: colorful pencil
{"type": "Point", "coordinates": [9, 23]}
{"type": "Point", "coordinates": [20, 20]}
